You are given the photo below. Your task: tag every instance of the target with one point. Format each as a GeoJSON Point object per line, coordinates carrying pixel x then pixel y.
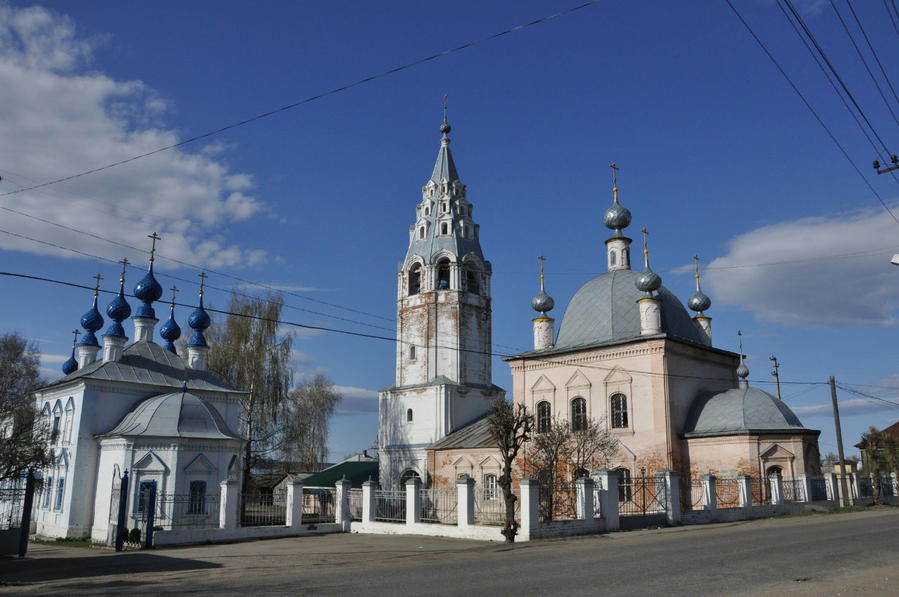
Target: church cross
{"type": "Point", "coordinates": [696, 261]}
{"type": "Point", "coordinates": [445, 95]}
{"type": "Point", "coordinates": [98, 277]}
{"type": "Point", "coordinates": [202, 276]}
{"type": "Point", "coordinates": [614, 180]}
{"type": "Point", "coordinates": [155, 238]}
{"type": "Point", "coordinates": [740, 339]}
{"type": "Point", "coordinates": [77, 333]}
{"type": "Point", "coordinates": [125, 263]}
{"type": "Point", "coordinates": [174, 290]}
{"type": "Point", "coordinates": [542, 259]}
{"type": "Point", "coordinates": [645, 247]}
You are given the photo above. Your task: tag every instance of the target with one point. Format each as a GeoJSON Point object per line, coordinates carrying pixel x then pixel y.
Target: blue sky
{"type": "Point", "coordinates": [718, 157]}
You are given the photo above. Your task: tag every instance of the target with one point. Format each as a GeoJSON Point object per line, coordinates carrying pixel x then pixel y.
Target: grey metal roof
{"type": "Point", "coordinates": [149, 364]}
{"type": "Point", "coordinates": [740, 410]}
{"type": "Point", "coordinates": [179, 414]}
{"type": "Point", "coordinates": [445, 167]}
{"type": "Point", "coordinates": [473, 435]}
{"type": "Point", "coordinates": [605, 310]}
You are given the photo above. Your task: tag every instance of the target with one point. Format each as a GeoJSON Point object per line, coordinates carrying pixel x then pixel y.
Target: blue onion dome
{"type": "Point", "coordinates": [699, 302]}
{"type": "Point", "coordinates": [147, 290]}
{"type": "Point", "coordinates": [617, 217]}
{"type": "Point", "coordinates": [170, 331]}
{"type": "Point", "coordinates": [118, 310]}
{"type": "Point", "coordinates": [542, 303]}
{"type": "Point", "coordinates": [198, 321]}
{"type": "Point", "coordinates": [91, 322]}
{"type": "Point", "coordinates": [648, 281]}
{"type": "Point", "coordinates": [70, 365]}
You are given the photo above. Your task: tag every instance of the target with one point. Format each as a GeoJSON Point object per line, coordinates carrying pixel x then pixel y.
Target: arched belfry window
{"type": "Point", "coordinates": [444, 228]}
{"type": "Point", "coordinates": [613, 257]}
{"type": "Point", "coordinates": [409, 474]}
{"type": "Point", "coordinates": [544, 416]}
{"type": "Point", "coordinates": [471, 281]}
{"type": "Point", "coordinates": [625, 256]}
{"type": "Point", "coordinates": [412, 353]}
{"type": "Point", "coordinates": [409, 415]}
{"type": "Point", "coordinates": [578, 414]}
{"type": "Point", "coordinates": [619, 411]}
{"type": "Point", "coordinates": [415, 279]}
{"type": "Point", "coordinates": [443, 274]}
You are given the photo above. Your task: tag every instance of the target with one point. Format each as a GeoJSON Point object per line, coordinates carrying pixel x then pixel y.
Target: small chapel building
{"type": "Point", "coordinates": [140, 408]}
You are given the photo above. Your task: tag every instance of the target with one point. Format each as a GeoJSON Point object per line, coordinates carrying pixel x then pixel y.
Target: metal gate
{"type": "Point", "coordinates": [641, 502]}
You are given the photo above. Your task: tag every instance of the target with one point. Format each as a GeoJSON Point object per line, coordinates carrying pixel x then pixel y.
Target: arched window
{"type": "Point", "coordinates": [409, 474]}
{"type": "Point", "coordinates": [578, 414]}
{"type": "Point", "coordinates": [412, 352]}
{"type": "Point", "coordinates": [471, 281]}
{"type": "Point", "coordinates": [421, 232]}
{"type": "Point", "coordinates": [70, 421]}
{"type": "Point", "coordinates": [625, 487]}
{"type": "Point", "coordinates": [543, 416]}
{"type": "Point", "coordinates": [619, 411]}
{"type": "Point", "coordinates": [613, 256]}
{"type": "Point", "coordinates": [443, 274]}
{"type": "Point", "coordinates": [409, 415]}
{"type": "Point", "coordinates": [444, 228]}
{"type": "Point", "coordinates": [414, 279]}
{"type": "Point", "coordinates": [625, 256]}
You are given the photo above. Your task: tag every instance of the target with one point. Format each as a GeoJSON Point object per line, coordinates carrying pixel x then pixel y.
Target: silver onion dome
{"type": "Point", "coordinates": [542, 302]}
{"type": "Point", "coordinates": [648, 281]}
{"type": "Point", "coordinates": [699, 302]}
{"type": "Point", "coordinates": [617, 217]}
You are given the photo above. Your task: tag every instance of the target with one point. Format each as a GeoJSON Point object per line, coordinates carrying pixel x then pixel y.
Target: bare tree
{"type": "Point", "coordinates": [307, 410]}
{"type": "Point", "coordinates": [591, 447]}
{"type": "Point", "coordinates": [24, 438]}
{"type": "Point", "coordinates": [875, 446]}
{"type": "Point", "coordinates": [510, 427]}
{"type": "Point", "coordinates": [248, 352]}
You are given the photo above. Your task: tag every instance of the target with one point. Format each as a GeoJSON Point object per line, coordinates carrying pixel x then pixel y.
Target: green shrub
{"type": "Point", "coordinates": [134, 535]}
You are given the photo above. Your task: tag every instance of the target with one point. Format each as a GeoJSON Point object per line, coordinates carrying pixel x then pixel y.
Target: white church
{"type": "Point", "coordinates": [136, 407]}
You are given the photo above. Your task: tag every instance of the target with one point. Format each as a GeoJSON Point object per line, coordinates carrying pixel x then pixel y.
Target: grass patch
{"type": "Point", "coordinates": [68, 542]}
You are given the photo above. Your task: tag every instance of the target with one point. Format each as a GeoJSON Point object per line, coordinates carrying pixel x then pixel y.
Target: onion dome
{"type": "Point", "coordinates": [542, 302]}
{"type": "Point", "coordinates": [617, 216]}
{"type": "Point", "coordinates": [147, 290]}
{"type": "Point", "coordinates": [118, 309]}
{"type": "Point", "coordinates": [170, 331]}
{"type": "Point", "coordinates": [199, 319]}
{"type": "Point", "coordinates": [92, 321]}
{"type": "Point", "coordinates": [648, 281]}
{"type": "Point", "coordinates": [71, 365]}
{"type": "Point", "coordinates": [699, 302]}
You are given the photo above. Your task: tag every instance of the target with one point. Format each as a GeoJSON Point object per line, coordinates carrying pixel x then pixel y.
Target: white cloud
{"type": "Point", "coordinates": [60, 118]}
{"type": "Point", "coordinates": [813, 271]}
{"type": "Point", "coordinates": [356, 392]}
{"type": "Point", "coordinates": [54, 358]}
{"type": "Point", "coordinates": [356, 400]}
{"type": "Point", "coordinates": [854, 406]}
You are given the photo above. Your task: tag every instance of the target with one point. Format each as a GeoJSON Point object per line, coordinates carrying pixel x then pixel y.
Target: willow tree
{"type": "Point", "coordinates": [248, 352]}
{"type": "Point", "coordinates": [307, 410]}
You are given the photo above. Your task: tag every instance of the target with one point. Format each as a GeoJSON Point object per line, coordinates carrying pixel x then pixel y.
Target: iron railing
{"type": "Point", "coordinates": [865, 486]}
{"type": "Point", "coordinates": [692, 496]}
{"type": "Point", "coordinates": [11, 504]}
{"type": "Point", "coordinates": [641, 496]}
{"type": "Point", "coordinates": [319, 504]}
{"type": "Point", "coordinates": [793, 490]}
{"type": "Point", "coordinates": [390, 505]}
{"type": "Point", "coordinates": [198, 511]}
{"type": "Point", "coordinates": [727, 492]}
{"type": "Point", "coordinates": [819, 489]}
{"type": "Point", "coordinates": [259, 509]}
{"type": "Point", "coordinates": [438, 505]}
{"type": "Point", "coordinates": [490, 506]}
{"type": "Point", "coordinates": [355, 503]}
{"type": "Point", "coordinates": [559, 502]}
{"type": "Point", "coordinates": [887, 485]}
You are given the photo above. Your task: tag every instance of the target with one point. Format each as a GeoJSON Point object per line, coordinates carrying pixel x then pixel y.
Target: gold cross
{"type": "Point", "coordinates": [125, 264]}
{"type": "Point", "coordinates": [542, 259]}
{"type": "Point", "coordinates": [614, 180]}
{"type": "Point", "coordinates": [174, 289]}
{"type": "Point", "coordinates": [155, 238]}
{"type": "Point", "coordinates": [98, 277]}
{"type": "Point", "coordinates": [645, 246]}
{"type": "Point", "coordinates": [202, 276]}
{"type": "Point", "coordinates": [696, 260]}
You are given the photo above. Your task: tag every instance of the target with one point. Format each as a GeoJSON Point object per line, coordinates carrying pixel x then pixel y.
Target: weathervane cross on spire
{"type": "Point", "coordinates": [77, 333]}
{"type": "Point", "coordinates": [174, 290]}
{"type": "Point", "coordinates": [98, 277]}
{"type": "Point", "coordinates": [614, 180]}
{"type": "Point", "coordinates": [445, 95]}
{"type": "Point", "coordinates": [155, 238]}
{"type": "Point", "coordinates": [202, 276]}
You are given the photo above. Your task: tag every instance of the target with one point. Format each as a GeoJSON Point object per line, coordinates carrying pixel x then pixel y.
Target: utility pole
{"type": "Point", "coordinates": [844, 490]}
{"type": "Point", "coordinates": [776, 376]}
{"type": "Point", "coordinates": [895, 161]}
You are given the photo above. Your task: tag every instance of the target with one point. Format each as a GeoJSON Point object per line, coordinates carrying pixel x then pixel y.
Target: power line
{"type": "Point", "coordinates": [312, 98]}
{"type": "Point", "coordinates": [812, 110]}
{"type": "Point", "coordinates": [394, 340]}
{"type": "Point", "coordinates": [866, 395]}
{"type": "Point", "coordinates": [871, 47]}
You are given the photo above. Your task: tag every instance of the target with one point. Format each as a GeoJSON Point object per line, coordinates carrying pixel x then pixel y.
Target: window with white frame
{"type": "Point", "coordinates": [60, 490]}
{"type": "Point", "coordinates": [197, 503]}
{"type": "Point", "coordinates": [490, 487]}
{"type": "Point", "coordinates": [578, 414]}
{"type": "Point", "coordinates": [48, 491]}
{"type": "Point", "coordinates": [619, 411]}
{"type": "Point", "coordinates": [544, 416]}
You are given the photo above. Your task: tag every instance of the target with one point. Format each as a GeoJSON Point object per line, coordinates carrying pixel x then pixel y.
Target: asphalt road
{"type": "Point", "coordinates": [827, 554]}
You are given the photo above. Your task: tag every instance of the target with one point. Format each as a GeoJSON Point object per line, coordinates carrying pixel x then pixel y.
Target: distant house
{"type": "Point", "coordinates": [891, 431]}
{"type": "Point", "coordinates": [356, 472]}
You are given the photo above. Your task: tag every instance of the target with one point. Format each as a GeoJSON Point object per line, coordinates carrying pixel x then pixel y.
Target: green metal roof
{"type": "Point", "coordinates": [356, 472]}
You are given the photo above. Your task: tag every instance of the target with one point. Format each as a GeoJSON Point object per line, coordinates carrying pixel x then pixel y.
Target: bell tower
{"type": "Point", "coordinates": [443, 361]}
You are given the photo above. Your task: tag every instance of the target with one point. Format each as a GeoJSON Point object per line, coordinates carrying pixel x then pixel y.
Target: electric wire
{"type": "Point", "coordinates": [892, 17]}
{"type": "Point", "coordinates": [313, 98]}
{"type": "Point", "coordinates": [873, 51]}
{"type": "Point", "coordinates": [866, 395]}
{"type": "Point", "coordinates": [394, 340]}
{"type": "Point", "coordinates": [811, 109]}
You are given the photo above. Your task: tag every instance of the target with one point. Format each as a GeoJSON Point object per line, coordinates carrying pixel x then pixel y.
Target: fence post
{"type": "Point", "coordinates": [709, 494]}
{"type": "Point", "coordinates": [530, 507]}
{"type": "Point", "coordinates": [151, 516]}
{"type": "Point", "coordinates": [229, 504]}
{"type": "Point", "coordinates": [895, 488]}
{"type": "Point", "coordinates": [744, 482]}
{"type": "Point", "coordinates": [777, 489]}
{"type": "Point", "coordinates": [342, 514]}
{"type": "Point", "coordinates": [854, 488]}
{"type": "Point", "coordinates": [413, 500]}
{"type": "Point", "coordinates": [293, 515]}
{"type": "Point", "coordinates": [584, 488]}
{"type": "Point", "coordinates": [832, 487]}
{"type": "Point", "coordinates": [25, 521]}
{"type": "Point", "coordinates": [121, 529]}
{"type": "Point", "coordinates": [464, 501]}
{"type": "Point", "coordinates": [369, 505]}
{"type": "Point", "coordinates": [608, 497]}
{"type": "Point", "coordinates": [806, 487]}
{"type": "Point", "coordinates": [669, 481]}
